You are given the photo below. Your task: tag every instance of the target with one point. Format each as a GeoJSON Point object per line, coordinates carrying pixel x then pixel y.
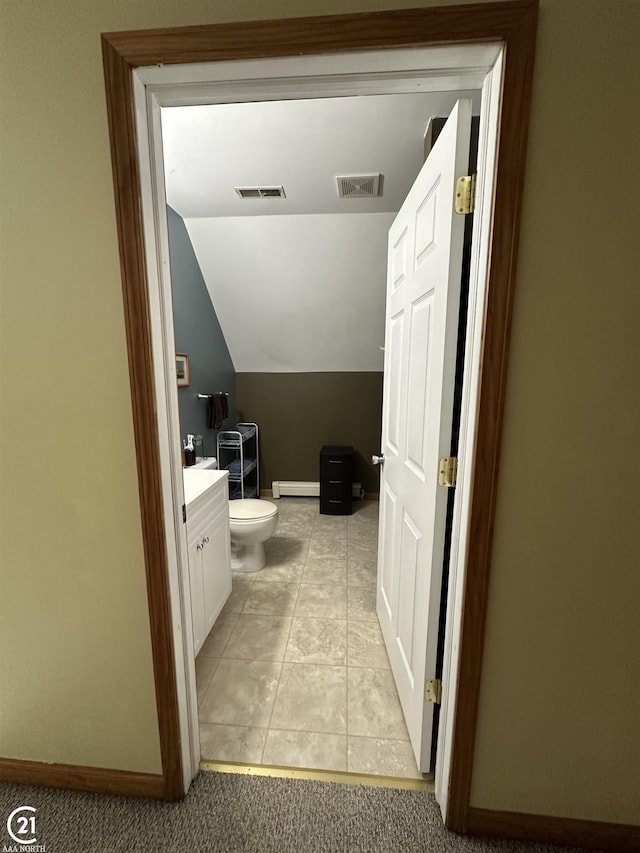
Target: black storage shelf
{"type": "Point", "coordinates": [236, 474]}
{"type": "Point", "coordinates": [240, 434]}
{"type": "Point", "coordinates": [237, 451]}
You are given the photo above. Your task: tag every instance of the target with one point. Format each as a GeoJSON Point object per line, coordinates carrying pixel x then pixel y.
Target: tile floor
{"type": "Point", "coordinates": [294, 672]}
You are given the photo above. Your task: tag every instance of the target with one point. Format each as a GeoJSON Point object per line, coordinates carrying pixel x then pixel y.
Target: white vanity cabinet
{"type": "Point", "coordinates": [207, 503]}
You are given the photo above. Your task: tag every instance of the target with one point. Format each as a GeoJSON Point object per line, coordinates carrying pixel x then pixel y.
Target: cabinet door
{"type": "Point", "coordinates": [216, 568]}
{"type": "Point", "coordinates": [196, 552]}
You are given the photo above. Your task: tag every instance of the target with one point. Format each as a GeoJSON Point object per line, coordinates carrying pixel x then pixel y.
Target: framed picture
{"type": "Point", "coordinates": [182, 368]}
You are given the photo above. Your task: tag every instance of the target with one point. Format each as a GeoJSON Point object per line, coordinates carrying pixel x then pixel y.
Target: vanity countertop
{"type": "Point", "coordinates": [196, 483]}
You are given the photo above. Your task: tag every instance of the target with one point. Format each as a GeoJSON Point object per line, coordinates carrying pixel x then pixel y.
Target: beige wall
{"type": "Point", "coordinates": [560, 711]}
{"type": "Point", "coordinates": [559, 700]}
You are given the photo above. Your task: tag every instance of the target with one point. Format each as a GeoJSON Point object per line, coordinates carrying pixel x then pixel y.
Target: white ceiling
{"type": "Point", "coordinates": [301, 145]}
{"type": "Point", "coordinates": [297, 294]}
{"type": "Point", "coordinates": [298, 283]}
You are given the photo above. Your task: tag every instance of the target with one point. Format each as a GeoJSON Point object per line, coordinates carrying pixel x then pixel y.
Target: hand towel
{"type": "Point", "coordinates": [217, 410]}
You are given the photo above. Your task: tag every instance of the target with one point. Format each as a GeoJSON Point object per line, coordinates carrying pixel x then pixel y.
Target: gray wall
{"type": "Point", "coordinates": [299, 412]}
{"type": "Point", "coordinates": [197, 333]}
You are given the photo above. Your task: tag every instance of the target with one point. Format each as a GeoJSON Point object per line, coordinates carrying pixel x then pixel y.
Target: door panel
{"type": "Point", "coordinates": [426, 224]}
{"type": "Point", "coordinates": [409, 562]}
{"type": "Point", "coordinates": [423, 294]}
{"type": "Point", "coordinates": [216, 576]}
{"type": "Point", "coordinates": [419, 347]}
{"type": "Point", "coordinates": [396, 327]}
{"type": "Point", "coordinates": [399, 259]}
{"type": "Point", "coordinates": [387, 564]}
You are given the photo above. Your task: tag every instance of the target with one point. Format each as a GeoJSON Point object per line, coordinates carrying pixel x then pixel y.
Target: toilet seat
{"type": "Point", "coordinates": [247, 510]}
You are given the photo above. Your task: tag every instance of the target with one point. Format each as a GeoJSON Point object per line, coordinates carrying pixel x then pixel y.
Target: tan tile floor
{"type": "Point", "coordinates": [295, 672]}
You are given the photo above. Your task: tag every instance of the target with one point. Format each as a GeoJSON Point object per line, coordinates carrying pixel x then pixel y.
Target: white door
{"type": "Point", "coordinates": [423, 294]}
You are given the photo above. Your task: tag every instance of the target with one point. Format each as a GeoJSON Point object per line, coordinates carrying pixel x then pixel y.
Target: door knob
{"type": "Point", "coordinates": [378, 460]}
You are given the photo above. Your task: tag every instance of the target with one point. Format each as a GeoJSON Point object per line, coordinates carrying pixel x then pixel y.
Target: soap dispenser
{"type": "Point", "coordinates": [189, 451]}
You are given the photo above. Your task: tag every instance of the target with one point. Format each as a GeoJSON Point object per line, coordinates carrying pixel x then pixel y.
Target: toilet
{"type": "Point", "coordinates": [253, 522]}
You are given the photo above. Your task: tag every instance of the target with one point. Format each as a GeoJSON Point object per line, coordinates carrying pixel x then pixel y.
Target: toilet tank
{"type": "Point", "coordinates": [206, 464]}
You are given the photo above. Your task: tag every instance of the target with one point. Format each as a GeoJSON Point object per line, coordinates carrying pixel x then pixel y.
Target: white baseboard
{"type": "Point", "coordinates": [303, 488]}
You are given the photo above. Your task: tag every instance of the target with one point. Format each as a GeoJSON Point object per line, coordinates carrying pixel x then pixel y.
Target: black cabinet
{"type": "Point", "coordinates": [336, 479]}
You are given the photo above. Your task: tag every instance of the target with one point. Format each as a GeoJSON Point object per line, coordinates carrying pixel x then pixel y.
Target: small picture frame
{"type": "Point", "coordinates": [182, 369]}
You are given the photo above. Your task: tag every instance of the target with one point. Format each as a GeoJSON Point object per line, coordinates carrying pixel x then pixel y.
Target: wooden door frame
{"type": "Point", "coordinates": [514, 25]}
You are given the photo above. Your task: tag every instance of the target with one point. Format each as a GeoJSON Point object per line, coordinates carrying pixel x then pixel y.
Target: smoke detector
{"type": "Point", "coordinates": [260, 192]}
{"type": "Point", "coordinates": [358, 186]}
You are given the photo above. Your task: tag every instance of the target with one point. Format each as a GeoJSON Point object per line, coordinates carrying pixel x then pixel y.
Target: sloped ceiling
{"type": "Point", "coordinates": [297, 293]}
{"type": "Point", "coordinates": [298, 283]}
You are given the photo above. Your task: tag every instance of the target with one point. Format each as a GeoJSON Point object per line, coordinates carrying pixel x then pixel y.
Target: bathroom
{"type": "Point", "coordinates": [301, 355]}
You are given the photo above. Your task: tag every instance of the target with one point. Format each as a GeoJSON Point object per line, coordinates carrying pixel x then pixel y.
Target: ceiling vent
{"type": "Point", "coordinates": [358, 186]}
{"type": "Point", "coordinates": [260, 192]}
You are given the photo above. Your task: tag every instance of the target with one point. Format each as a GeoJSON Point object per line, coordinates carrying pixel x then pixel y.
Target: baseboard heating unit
{"type": "Point", "coordinates": [304, 488]}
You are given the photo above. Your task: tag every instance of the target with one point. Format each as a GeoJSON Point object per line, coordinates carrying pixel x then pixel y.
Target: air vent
{"type": "Point", "coordinates": [260, 192]}
{"type": "Point", "coordinates": [358, 186]}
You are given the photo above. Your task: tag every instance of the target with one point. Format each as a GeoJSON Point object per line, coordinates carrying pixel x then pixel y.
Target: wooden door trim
{"type": "Point", "coordinates": [75, 778]}
{"type": "Point", "coordinates": [590, 834]}
{"type": "Point", "coordinates": [478, 22]}
{"type": "Point", "coordinates": [126, 180]}
{"type": "Point", "coordinates": [513, 24]}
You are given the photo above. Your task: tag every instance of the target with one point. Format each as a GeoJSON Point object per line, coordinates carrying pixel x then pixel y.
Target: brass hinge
{"type": "Point", "coordinates": [465, 194]}
{"type": "Point", "coordinates": [448, 471]}
{"type": "Point", "coordinates": [433, 691]}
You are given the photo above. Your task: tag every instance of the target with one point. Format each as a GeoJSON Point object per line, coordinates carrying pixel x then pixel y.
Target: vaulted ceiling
{"type": "Point", "coordinates": [298, 283]}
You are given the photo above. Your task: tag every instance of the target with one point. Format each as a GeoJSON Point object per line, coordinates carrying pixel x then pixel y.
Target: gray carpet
{"type": "Point", "coordinates": [226, 813]}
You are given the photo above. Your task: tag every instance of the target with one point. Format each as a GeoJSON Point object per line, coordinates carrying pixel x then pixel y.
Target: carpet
{"type": "Point", "coordinates": [228, 813]}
